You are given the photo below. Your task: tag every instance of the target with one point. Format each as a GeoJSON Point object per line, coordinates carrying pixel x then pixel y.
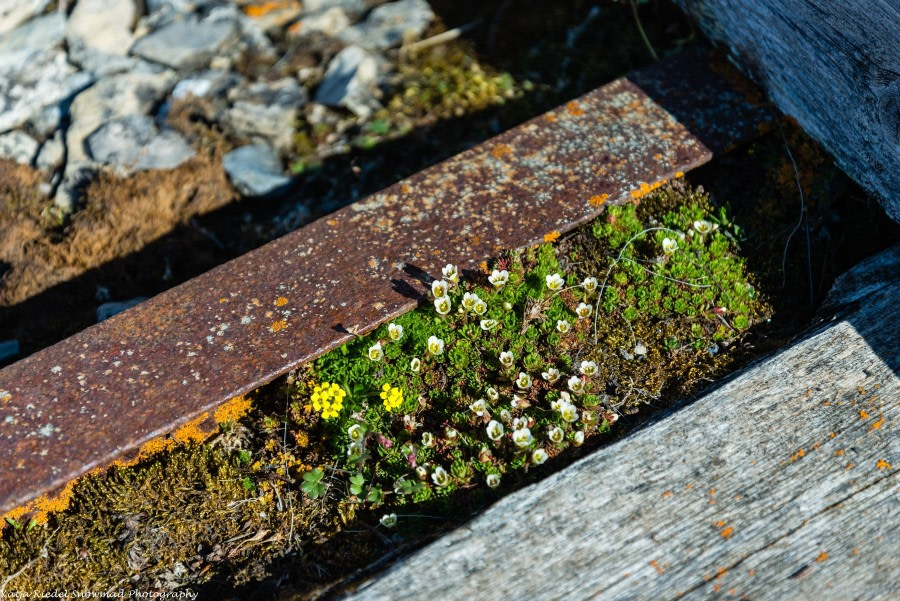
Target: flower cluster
{"type": "Point", "coordinates": [392, 397]}
{"type": "Point", "coordinates": [328, 399]}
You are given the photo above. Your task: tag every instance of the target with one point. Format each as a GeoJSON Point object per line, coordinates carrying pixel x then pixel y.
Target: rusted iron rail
{"type": "Point", "coordinates": [103, 393]}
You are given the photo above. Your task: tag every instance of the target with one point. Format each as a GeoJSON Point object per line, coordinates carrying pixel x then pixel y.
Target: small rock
{"type": "Point", "coordinates": [389, 24]}
{"type": "Point", "coordinates": [271, 15]}
{"type": "Point", "coordinates": [207, 83]}
{"type": "Point", "coordinates": [352, 81]}
{"type": "Point", "coordinates": [107, 310]}
{"type": "Point", "coordinates": [31, 80]}
{"type": "Point", "coordinates": [15, 12]}
{"type": "Point", "coordinates": [52, 153]}
{"type": "Point", "coordinates": [101, 25]}
{"type": "Point", "coordinates": [112, 97]}
{"type": "Point", "coordinates": [9, 349]}
{"type": "Point", "coordinates": [330, 22]}
{"type": "Point", "coordinates": [352, 8]}
{"type": "Point", "coordinates": [76, 177]}
{"type": "Point", "coordinates": [252, 37]}
{"type": "Point", "coordinates": [267, 110]}
{"type": "Point", "coordinates": [188, 44]}
{"type": "Point", "coordinates": [134, 143]}
{"type": "Point", "coordinates": [41, 33]}
{"type": "Point", "coordinates": [18, 146]}
{"type": "Point", "coordinates": [255, 170]}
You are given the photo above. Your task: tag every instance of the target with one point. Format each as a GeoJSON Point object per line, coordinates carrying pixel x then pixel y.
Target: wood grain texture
{"type": "Point", "coordinates": [780, 484]}
{"type": "Point", "coordinates": [834, 65]}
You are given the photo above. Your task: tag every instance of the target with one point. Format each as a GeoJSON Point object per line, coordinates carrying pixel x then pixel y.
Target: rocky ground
{"type": "Point", "coordinates": [143, 142]}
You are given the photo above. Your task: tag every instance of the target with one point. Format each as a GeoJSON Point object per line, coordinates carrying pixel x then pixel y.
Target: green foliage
{"type": "Point", "coordinates": [312, 483]}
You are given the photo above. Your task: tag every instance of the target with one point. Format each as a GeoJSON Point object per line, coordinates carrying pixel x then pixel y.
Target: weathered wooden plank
{"type": "Point", "coordinates": [780, 484]}
{"type": "Point", "coordinates": [834, 65]}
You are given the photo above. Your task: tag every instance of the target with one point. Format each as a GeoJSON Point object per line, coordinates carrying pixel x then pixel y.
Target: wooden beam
{"type": "Point", "coordinates": [780, 484]}
{"type": "Point", "coordinates": [834, 65]}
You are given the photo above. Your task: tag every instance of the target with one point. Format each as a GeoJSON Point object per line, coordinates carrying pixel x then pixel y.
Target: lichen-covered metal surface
{"type": "Point", "coordinates": [101, 394]}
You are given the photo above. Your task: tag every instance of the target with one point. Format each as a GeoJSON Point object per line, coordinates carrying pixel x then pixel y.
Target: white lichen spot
{"type": "Point", "coordinates": [56, 369]}
{"type": "Point", "coordinates": [47, 430]}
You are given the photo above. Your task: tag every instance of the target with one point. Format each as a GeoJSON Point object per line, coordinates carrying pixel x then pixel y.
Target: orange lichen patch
{"type": "Point", "coordinates": [484, 267]}
{"type": "Point", "coordinates": [727, 532]}
{"type": "Point", "coordinates": [551, 237]}
{"type": "Point", "coordinates": [597, 199]}
{"type": "Point", "coordinates": [816, 446]}
{"type": "Point", "coordinates": [500, 150]}
{"type": "Point", "coordinates": [550, 117]}
{"type": "Point", "coordinates": [277, 326]}
{"type": "Point", "coordinates": [574, 109]}
{"type": "Point", "coordinates": [721, 572]}
{"type": "Point", "coordinates": [863, 414]}
{"type": "Point", "coordinates": [405, 189]}
{"type": "Point", "coordinates": [719, 524]}
{"type": "Point", "coordinates": [658, 156]}
{"type": "Point", "coordinates": [646, 189]}
{"type": "Point", "coordinates": [882, 464]}
{"type": "Point", "coordinates": [850, 466]}
{"type": "Point", "coordinates": [751, 572]}
{"type": "Point", "coordinates": [261, 10]}
{"type": "Point", "coordinates": [679, 174]}
{"type": "Point", "coordinates": [223, 300]}
{"type": "Point", "coordinates": [855, 551]}
{"type": "Point", "coordinates": [839, 452]}
{"type": "Point", "coordinates": [717, 587]}
{"type": "Point", "coordinates": [800, 453]}
{"type": "Point", "coordinates": [877, 425]}
{"type": "Point", "coordinates": [659, 569]}
{"type": "Point", "coordinates": [822, 557]}
{"type": "Point", "coordinates": [233, 410]}
{"type": "Point", "coordinates": [832, 434]}
{"type": "Point", "coordinates": [281, 301]}
{"type": "Point", "coordinates": [667, 494]}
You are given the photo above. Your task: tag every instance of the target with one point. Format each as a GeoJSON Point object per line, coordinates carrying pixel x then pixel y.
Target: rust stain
{"type": "Point", "coordinates": [183, 352]}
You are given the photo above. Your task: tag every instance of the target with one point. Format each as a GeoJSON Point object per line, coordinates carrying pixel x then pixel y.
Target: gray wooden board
{"type": "Point", "coordinates": [834, 65]}
{"type": "Point", "coordinates": [781, 484]}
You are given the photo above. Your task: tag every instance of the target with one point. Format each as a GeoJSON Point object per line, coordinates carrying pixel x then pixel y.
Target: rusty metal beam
{"type": "Point", "coordinates": [104, 392]}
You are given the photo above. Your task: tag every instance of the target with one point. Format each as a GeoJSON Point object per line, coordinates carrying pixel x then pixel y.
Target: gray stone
{"type": "Point", "coordinates": [101, 25]}
{"type": "Point", "coordinates": [255, 170]}
{"type": "Point", "coordinates": [252, 35]}
{"type": "Point", "coordinates": [389, 24]}
{"type": "Point", "coordinates": [41, 33]}
{"type": "Point", "coordinates": [353, 8]}
{"type": "Point", "coordinates": [330, 22]}
{"type": "Point", "coordinates": [31, 80]}
{"type": "Point", "coordinates": [47, 121]}
{"type": "Point", "coordinates": [107, 310]}
{"type": "Point", "coordinates": [52, 153]}
{"type": "Point", "coordinates": [134, 143]}
{"type": "Point", "coordinates": [9, 349]}
{"type": "Point", "coordinates": [187, 44]}
{"type": "Point", "coordinates": [206, 84]}
{"type": "Point", "coordinates": [352, 81]}
{"type": "Point", "coordinates": [18, 146]}
{"type": "Point", "coordinates": [112, 97]}
{"type": "Point", "coordinates": [267, 110]}
{"type": "Point", "coordinates": [15, 12]}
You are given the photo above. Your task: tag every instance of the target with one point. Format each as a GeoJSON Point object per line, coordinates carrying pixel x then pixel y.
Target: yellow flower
{"type": "Point", "coordinates": [392, 397]}
{"type": "Point", "coordinates": [328, 399]}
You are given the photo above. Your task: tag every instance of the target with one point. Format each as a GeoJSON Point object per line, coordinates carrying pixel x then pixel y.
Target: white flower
{"type": "Point", "coordinates": [555, 281]}
{"type": "Point", "coordinates": [589, 285]}
{"type": "Point", "coordinates": [450, 433]}
{"type": "Point", "coordinates": [523, 381]}
{"type": "Point", "coordinates": [375, 352]}
{"type": "Point", "coordinates": [495, 430]}
{"type": "Point", "coordinates": [435, 345]}
{"type": "Point", "coordinates": [519, 423]}
{"type": "Point", "coordinates": [506, 359]}
{"type": "Point", "coordinates": [555, 405]}
{"type": "Point", "coordinates": [507, 305]}
{"type": "Point", "coordinates": [576, 384]}
{"type": "Point", "coordinates": [492, 480]}
{"type": "Point", "coordinates": [479, 407]}
{"type": "Point", "coordinates": [480, 307]}
{"type": "Point", "coordinates": [427, 439]}
{"type": "Point", "coordinates": [355, 432]}
{"type": "Point", "coordinates": [469, 300]}
{"type": "Point", "coordinates": [443, 305]}
{"type": "Point", "coordinates": [415, 364]}
{"type": "Point", "coordinates": [588, 368]}
{"type": "Point", "coordinates": [669, 245]}
{"type": "Point", "coordinates": [492, 394]}
{"type": "Point", "coordinates": [556, 435]}
{"type": "Point", "coordinates": [551, 375]}
{"type": "Point", "coordinates": [522, 437]}
{"type": "Point", "coordinates": [583, 310]}
{"type": "Point", "coordinates": [612, 417]}
{"type": "Point", "coordinates": [488, 324]}
{"type": "Point", "coordinates": [440, 477]}
{"type": "Point", "coordinates": [505, 416]}
{"type": "Point", "coordinates": [388, 520]}
{"type": "Point", "coordinates": [451, 273]}
{"type": "Point", "coordinates": [539, 456]}
{"type": "Point", "coordinates": [421, 472]}
{"type": "Point", "coordinates": [569, 412]}
{"type": "Point", "coordinates": [562, 326]}
{"type": "Point", "coordinates": [578, 439]}
{"type": "Point", "coordinates": [439, 288]}
{"type": "Point", "coordinates": [355, 449]}
{"type": "Point", "coordinates": [499, 278]}
{"type": "Point", "coordinates": [395, 331]}
{"type": "Point", "coordinates": [704, 227]}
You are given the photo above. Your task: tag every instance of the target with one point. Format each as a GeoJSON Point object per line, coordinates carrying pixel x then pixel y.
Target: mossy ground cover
{"type": "Point", "coordinates": [502, 375]}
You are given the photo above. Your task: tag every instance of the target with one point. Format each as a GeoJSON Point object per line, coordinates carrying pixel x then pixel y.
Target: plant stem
{"type": "Point", "coordinates": [637, 20]}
